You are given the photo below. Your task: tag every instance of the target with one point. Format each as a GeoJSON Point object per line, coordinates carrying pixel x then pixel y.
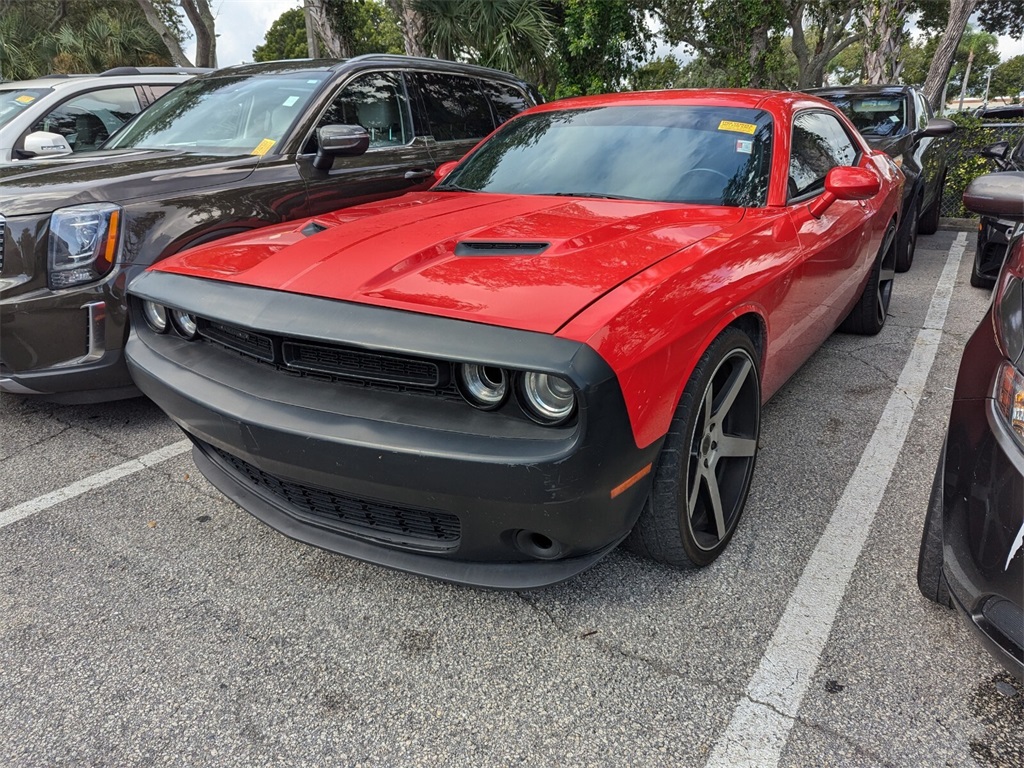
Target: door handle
{"type": "Point", "coordinates": [418, 173]}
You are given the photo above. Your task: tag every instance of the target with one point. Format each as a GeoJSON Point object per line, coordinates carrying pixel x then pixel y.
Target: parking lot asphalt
{"type": "Point", "coordinates": [145, 620]}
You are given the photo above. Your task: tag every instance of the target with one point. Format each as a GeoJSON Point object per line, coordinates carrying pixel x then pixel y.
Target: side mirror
{"type": "Point", "coordinates": [44, 144]}
{"type": "Point", "coordinates": [845, 183]}
{"type": "Point", "coordinates": [1000, 195]}
{"type": "Point", "coordinates": [997, 151]}
{"type": "Point", "coordinates": [938, 126]}
{"type": "Point", "coordinates": [339, 140]}
{"type": "Point", "coordinates": [444, 169]}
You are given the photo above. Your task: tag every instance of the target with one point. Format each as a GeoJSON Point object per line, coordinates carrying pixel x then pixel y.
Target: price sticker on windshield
{"type": "Point", "coordinates": [732, 125]}
{"type": "Point", "coordinates": [25, 99]}
{"type": "Point", "coordinates": [263, 147]}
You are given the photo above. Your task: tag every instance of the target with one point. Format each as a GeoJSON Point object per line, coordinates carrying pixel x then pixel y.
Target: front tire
{"type": "Point", "coordinates": [929, 223]}
{"type": "Point", "coordinates": [705, 467]}
{"type": "Point", "coordinates": [868, 315]}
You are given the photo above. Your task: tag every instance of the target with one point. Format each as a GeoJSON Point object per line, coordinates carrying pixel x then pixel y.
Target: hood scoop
{"type": "Point", "coordinates": [490, 248]}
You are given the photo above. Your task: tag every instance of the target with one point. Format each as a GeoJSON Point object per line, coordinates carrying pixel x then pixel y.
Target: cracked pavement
{"type": "Point", "coordinates": [151, 622]}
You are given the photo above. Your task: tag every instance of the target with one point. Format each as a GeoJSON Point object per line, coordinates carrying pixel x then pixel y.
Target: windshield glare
{"type": "Point", "coordinates": [223, 115]}
{"type": "Point", "coordinates": [681, 154]}
{"type": "Point", "coordinates": [14, 101]}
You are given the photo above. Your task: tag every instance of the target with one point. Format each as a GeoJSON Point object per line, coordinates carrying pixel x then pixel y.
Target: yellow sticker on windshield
{"type": "Point", "coordinates": [263, 147]}
{"type": "Point", "coordinates": [25, 99]}
{"type": "Point", "coordinates": [732, 125]}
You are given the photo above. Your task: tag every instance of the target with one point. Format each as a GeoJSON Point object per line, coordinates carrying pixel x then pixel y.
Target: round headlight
{"type": "Point", "coordinates": [156, 316]}
{"type": "Point", "coordinates": [549, 399]}
{"type": "Point", "coordinates": [484, 386]}
{"type": "Point", "coordinates": [185, 323]}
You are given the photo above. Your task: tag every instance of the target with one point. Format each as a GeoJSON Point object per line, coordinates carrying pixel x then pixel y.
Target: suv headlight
{"type": "Point", "coordinates": [83, 243]}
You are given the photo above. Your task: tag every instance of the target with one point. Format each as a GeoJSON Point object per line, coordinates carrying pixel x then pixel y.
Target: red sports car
{"type": "Point", "coordinates": [565, 343]}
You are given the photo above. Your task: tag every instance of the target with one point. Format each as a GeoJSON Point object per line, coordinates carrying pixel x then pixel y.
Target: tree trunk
{"type": "Point", "coordinates": [201, 18]}
{"type": "Point", "coordinates": [885, 21]}
{"type": "Point", "coordinates": [938, 72]}
{"type": "Point", "coordinates": [312, 44]}
{"type": "Point", "coordinates": [412, 24]}
{"type": "Point", "coordinates": [332, 42]}
{"type": "Point", "coordinates": [174, 48]}
{"type": "Point", "coordinates": [833, 38]}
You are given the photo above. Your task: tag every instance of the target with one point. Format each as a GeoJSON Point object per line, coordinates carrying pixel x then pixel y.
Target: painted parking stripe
{"type": "Point", "coordinates": [91, 483]}
{"type": "Point", "coordinates": [762, 720]}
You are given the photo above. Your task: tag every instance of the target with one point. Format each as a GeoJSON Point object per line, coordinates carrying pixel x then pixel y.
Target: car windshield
{"type": "Point", "coordinates": [230, 115]}
{"type": "Point", "coordinates": [13, 101]}
{"type": "Point", "coordinates": [873, 115]}
{"type": "Point", "coordinates": [681, 154]}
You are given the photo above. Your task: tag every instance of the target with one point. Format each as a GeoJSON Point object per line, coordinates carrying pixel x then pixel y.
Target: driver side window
{"type": "Point", "coordinates": [375, 101]}
{"type": "Point", "coordinates": [819, 144]}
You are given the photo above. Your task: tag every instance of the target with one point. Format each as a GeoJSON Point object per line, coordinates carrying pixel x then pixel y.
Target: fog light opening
{"type": "Point", "coordinates": [537, 545]}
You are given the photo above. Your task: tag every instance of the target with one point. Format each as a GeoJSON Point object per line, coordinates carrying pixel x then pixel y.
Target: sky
{"type": "Point", "coordinates": [243, 24]}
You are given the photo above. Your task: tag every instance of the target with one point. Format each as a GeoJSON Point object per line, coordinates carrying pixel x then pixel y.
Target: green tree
{"type": "Point", "coordinates": [1008, 79]}
{"type": "Point", "coordinates": [658, 74]}
{"type": "Point", "coordinates": [286, 38]}
{"type": "Point", "coordinates": [513, 35]}
{"type": "Point", "coordinates": [742, 38]}
{"type": "Point", "coordinates": [598, 44]}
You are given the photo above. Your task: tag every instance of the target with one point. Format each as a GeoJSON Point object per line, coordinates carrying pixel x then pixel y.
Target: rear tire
{"type": "Point", "coordinates": [868, 315]}
{"type": "Point", "coordinates": [908, 237]}
{"type": "Point", "coordinates": [705, 467]}
{"type": "Point", "coordinates": [930, 218]}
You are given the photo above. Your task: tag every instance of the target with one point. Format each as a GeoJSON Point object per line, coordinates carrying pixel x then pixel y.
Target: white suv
{"type": "Point", "coordinates": [60, 114]}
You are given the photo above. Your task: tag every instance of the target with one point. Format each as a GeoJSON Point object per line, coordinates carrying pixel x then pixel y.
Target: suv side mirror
{"type": "Point", "coordinates": [339, 140]}
{"type": "Point", "coordinates": [997, 151]}
{"type": "Point", "coordinates": [997, 195]}
{"type": "Point", "coordinates": [44, 144]}
{"type": "Point", "coordinates": [938, 126]}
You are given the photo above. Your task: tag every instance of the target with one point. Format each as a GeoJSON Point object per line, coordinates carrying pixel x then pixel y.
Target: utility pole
{"type": "Point", "coordinates": [967, 76]}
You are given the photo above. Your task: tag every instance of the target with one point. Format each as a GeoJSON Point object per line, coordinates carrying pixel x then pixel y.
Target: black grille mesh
{"type": "Point", "coordinates": [403, 526]}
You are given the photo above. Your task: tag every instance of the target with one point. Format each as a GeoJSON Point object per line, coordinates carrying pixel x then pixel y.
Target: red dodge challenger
{"type": "Point", "coordinates": [564, 344]}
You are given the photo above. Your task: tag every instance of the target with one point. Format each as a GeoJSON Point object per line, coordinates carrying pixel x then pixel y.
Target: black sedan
{"type": "Point", "coordinates": [972, 550]}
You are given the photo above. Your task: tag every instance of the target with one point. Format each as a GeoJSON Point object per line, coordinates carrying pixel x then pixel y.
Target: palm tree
{"type": "Point", "coordinates": [106, 41]}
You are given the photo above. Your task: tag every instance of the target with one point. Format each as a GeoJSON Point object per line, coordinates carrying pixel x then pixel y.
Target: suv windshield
{"type": "Point", "coordinates": [680, 154]}
{"type": "Point", "coordinates": [245, 114]}
{"type": "Point", "coordinates": [14, 100]}
{"type": "Point", "coordinates": [873, 115]}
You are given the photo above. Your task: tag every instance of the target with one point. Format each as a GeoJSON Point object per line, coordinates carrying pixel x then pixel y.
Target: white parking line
{"type": "Point", "coordinates": [86, 484]}
{"type": "Point", "coordinates": [762, 720]}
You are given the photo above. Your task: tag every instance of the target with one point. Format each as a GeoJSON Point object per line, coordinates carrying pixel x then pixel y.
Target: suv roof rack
{"type": "Point", "coordinates": [155, 71]}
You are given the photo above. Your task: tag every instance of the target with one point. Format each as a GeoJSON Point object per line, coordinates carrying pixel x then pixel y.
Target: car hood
{"type": "Point", "coordinates": [41, 186]}
{"type": "Point", "coordinates": [529, 262]}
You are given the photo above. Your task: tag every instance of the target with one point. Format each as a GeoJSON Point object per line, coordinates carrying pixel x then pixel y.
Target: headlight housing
{"type": "Point", "coordinates": [83, 243]}
{"type": "Point", "coordinates": [156, 315]}
{"type": "Point", "coordinates": [547, 398]}
{"type": "Point", "coordinates": [484, 386]}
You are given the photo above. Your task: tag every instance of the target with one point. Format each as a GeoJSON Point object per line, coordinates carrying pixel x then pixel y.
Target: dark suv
{"type": "Point", "coordinates": [226, 152]}
{"type": "Point", "coordinates": [898, 120]}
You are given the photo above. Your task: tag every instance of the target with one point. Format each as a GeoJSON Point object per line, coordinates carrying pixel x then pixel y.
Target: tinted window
{"type": "Point", "coordinates": [924, 111]}
{"type": "Point", "coordinates": [377, 102]}
{"type": "Point", "coordinates": [455, 107]}
{"type": "Point", "coordinates": [819, 144]}
{"type": "Point", "coordinates": [227, 115]}
{"type": "Point", "coordinates": [14, 101]}
{"type": "Point", "coordinates": [506, 101]}
{"type": "Point", "coordinates": [87, 121]}
{"type": "Point", "coordinates": [682, 154]}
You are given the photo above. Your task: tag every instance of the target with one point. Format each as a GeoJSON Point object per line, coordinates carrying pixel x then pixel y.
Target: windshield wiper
{"type": "Point", "coordinates": [598, 195]}
{"type": "Point", "coordinates": [450, 187]}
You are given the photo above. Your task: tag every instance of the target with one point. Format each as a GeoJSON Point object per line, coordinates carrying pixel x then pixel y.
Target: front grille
{"type": "Point", "coordinates": [335, 362]}
{"type": "Point", "coordinates": [407, 527]}
{"type": "Point", "coordinates": [3, 230]}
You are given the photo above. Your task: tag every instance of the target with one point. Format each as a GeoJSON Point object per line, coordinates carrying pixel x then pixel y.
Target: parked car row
{"type": "Point", "coordinates": [562, 345]}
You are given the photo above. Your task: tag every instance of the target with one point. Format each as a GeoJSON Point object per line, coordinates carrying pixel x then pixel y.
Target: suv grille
{"type": "Point", "coordinates": [407, 527]}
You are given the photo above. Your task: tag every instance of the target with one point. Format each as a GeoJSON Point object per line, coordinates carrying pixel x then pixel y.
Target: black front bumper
{"type": "Point", "coordinates": [423, 484]}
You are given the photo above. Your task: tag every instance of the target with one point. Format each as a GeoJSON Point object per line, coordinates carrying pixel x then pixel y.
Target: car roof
{"type": "Point", "coordinates": [712, 97]}
{"type": "Point", "coordinates": [120, 76]}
